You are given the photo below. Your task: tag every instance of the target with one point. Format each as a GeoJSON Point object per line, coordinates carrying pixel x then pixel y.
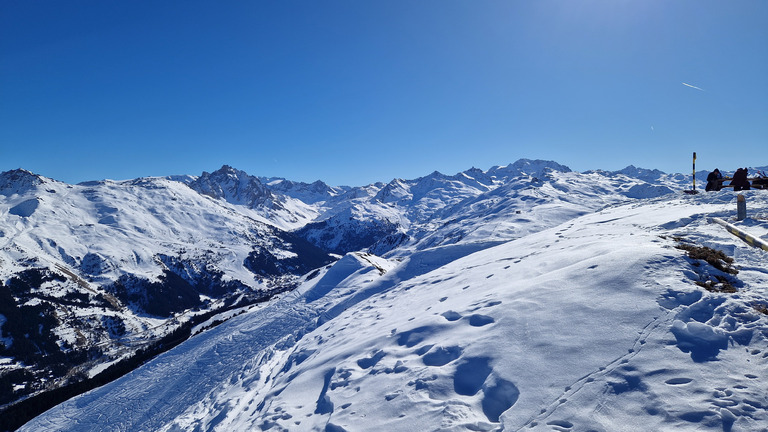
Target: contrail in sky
{"type": "Point", "coordinates": [694, 87]}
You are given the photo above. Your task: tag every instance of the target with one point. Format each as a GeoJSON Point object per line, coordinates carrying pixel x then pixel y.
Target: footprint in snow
{"type": "Point", "coordinates": [415, 336]}
{"type": "Point", "coordinates": [371, 361]}
{"type": "Point", "coordinates": [470, 375]}
{"type": "Point", "coordinates": [478, 320]}
{"type": "Point", "coordinates": [473, 375]}
{"type": "Point", "coordinates": [696, 416]}
{"type": "Point", "coordinates": [398, 368]}
{"type": "Point", "coordinates": [441, 356]}
{"type": "Point", "coordinates": [451, 315]}
{"type": "Point", "coordinates": [483, 304]}
{"type": "Point", "coordinates": [499, 396]}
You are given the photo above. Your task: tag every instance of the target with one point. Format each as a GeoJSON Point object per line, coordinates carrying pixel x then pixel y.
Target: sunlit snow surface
{"type": "Point", "coordinates": [595, 324]}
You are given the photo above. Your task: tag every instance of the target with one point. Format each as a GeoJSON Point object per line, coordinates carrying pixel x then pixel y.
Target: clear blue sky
{"type": "Point", "coordinates": [353, 92]}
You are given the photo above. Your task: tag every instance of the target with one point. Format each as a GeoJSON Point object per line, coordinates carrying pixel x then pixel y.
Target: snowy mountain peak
{"type": "Point", "coordinates": [529, 167]}
{"type": "Point", "coordinates": [437, 174]}
{"type": "Point", "coordinates": [309, 193]}
{"type": "Point", "coordinates": [19, 181]}
{"type": "Point", "coordinates": [641, 173]}
{"type": "Point", "coordinates": [234, 186]}
{"type": "Point", "coordinates": [396, 190]}
{"type": "Point", "coordinates": [264, 198]}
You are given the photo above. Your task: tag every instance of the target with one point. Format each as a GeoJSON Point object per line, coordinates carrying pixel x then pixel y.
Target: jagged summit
{"type": "Point", "coordinates": [310, 193]}
{"type": "Point", "coordinates": [649, 175]}
{"type": "Point", "coordinates": [19, 181]}
{"type": "Point", "coordinates": [233, 185]}
{"type": "Point", "coordinates": [268, 203]}
{"type": "Point", "coordinates": [533, 168]}
{"type": "Point", "coordinates": [229, 180]}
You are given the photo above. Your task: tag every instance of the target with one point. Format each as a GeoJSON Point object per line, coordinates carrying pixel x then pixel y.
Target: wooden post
{"type": "Point", "coordinates": [741, 207]}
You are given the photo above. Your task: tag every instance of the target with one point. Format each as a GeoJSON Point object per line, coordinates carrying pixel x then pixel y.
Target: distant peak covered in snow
{"type": "Point", "coordinates": [396, 190]}
{"type": "Point", "coordinates": [634, 171]}
{"type": "Point", "coordinates": [235, 186]}
{"type": "Point", "coordinates": [310, 193]}
{"type": "Point", "coordinates": [649, 175]}
{"type": "Point", "coordinates": [533, 168]}
{"type": "Point", "coordinates": [267, 202]}
{"type": "Point", "coordinates": [19, 181]}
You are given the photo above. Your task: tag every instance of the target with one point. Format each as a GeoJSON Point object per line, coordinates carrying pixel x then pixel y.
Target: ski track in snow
{"type": "Point", "coordinates": [595, 324]}
{"type": "Point", "coordinates": [159, 391]}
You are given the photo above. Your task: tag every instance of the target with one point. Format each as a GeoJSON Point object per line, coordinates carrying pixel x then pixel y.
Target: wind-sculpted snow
{"type": "Point", "coordinates": [25, 208]}
{"type": "Point", "coordinates": [597, 323]}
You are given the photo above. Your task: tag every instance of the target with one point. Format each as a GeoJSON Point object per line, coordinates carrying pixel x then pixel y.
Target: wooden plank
{"type": "Point", "coordinates": [759, 185]}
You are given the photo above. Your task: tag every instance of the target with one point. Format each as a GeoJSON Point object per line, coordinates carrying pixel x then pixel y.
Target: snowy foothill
{"type": "Point", "coordinates": [600, 321]}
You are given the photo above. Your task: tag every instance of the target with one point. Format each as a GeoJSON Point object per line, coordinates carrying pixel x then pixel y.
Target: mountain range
{"type": "Point", "coordinates": [103, 274]}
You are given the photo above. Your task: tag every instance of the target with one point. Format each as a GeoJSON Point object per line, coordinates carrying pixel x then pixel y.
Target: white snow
{"type": "Point", "coordinates": [591, 320]}
{"type": "Point", "coordinates": [128, 222]}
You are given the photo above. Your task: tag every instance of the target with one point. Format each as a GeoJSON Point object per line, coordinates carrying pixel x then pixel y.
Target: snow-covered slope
{"type": "Point", "coordinates": [106, 230]}
{"type": "Point", "coordinates": [89, 272]}
{"type": "Point", "coordinates": [598, 322]}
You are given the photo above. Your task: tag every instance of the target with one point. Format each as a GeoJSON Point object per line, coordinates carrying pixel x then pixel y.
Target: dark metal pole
{"type": "Point", "coordinates": [694, 172]}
